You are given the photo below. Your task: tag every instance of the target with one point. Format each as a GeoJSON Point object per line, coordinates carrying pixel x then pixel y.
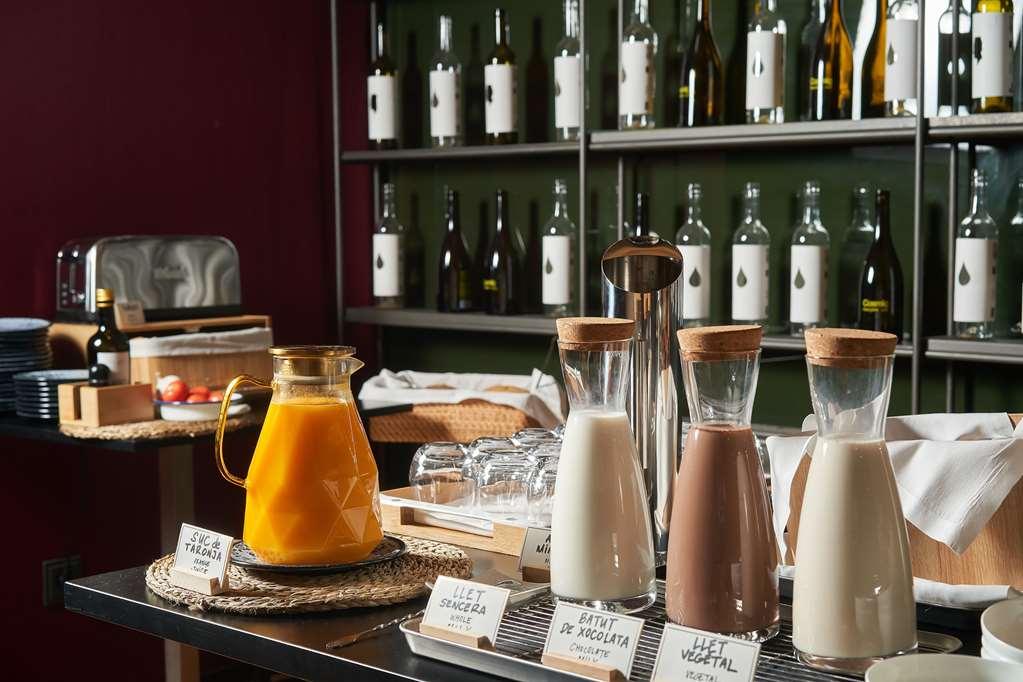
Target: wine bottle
{"type": "Point", "coordinates": [501, 286]}
{"type": "Point", "coordinates": [567, 77]}
{"type": "Point", "coordinates": [412, 96]}
{"type": "Point", "coordinates": [858, 238]}
{"type": "Point", "coordinates": [560, 271]}
{"type": "Point", "coordinates": [456, 276]}
{"type": "Point", "coordinates": [765, 64]}
{"type": "Point", "coordinates": [1015, 254]}
{"type": "Point", "coordinates": [900, 74]}
{"type": "Point", "coordinates": [109, 346]}
{"type": "Point", "coordinates": [702, 93]}
{"type": "Point", "coordinates": [641, 215]}
{"type": "Point", "coordinates": [808, 276]}
{"type": "Point", "coordinates": [693, 241]}
{"type": "Point", "coordinates": [415, 258]}
{"type": "Point", "coordinates": [807, 46]}
{"type": "Point", "coordinates": [675, 45]}
{"type": "Point", "coordinates": [538, 78]}
{"type": "Point", "coordinates": [381, 96]}
{"type": "Point", "coordinates": [389, 254]}
{"type": "Point", "coordinates": [973, 305]}
{"type": "Point", "coordinates": [955, 13]}
{"type": "Point", "coordinates": [832, 69]}
{"type": "Point", "coordinates": [880, 290]}
{"type": "Point", "coordinates": [991, 82]}
{"type": "Point", "coordinates": [636, 84]}
{"type": "Point", "coordinates": [530, 277]}
{"type": "Point", "coordinates": [445, 91]}
{"type": "Point", "coordinates": [872, 75]}
{"type": "Point", "coordinates": [500, 87]}
{"type": "Point", "coordinates": [475, 93]}
{"type": "Point", "coordinates": [750, 263]}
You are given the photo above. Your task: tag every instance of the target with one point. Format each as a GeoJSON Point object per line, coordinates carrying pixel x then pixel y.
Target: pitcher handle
{"type": "Point", "coordinates": [218, 446]}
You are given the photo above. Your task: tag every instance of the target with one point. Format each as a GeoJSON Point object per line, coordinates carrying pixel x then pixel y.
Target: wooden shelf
{"type": "Point", "coordinates": [976, 128]}
{"type": "Point", "coordinates": [462, 153]}
{"type": "Point", "coordinates": [999, 351]}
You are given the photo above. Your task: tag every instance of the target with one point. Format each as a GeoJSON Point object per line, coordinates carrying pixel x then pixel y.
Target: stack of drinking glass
{"type": "Point", "coordinates": [511, 479]}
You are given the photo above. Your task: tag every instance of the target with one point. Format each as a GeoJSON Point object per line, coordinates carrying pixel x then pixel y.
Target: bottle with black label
{"type": "Point", "coordinates": [109, 346]}
{"type": "Point", "coordinates": [808, 275]}
{"type": "Point", "coordinates": [455, 272]}
{"type": "Point", "coordinates": [807, 46]}
{"type": "Point", "coordinates": [389, 254]}
{"type": "Point", "coordinates": [750, 263]}
{"type": "Point", "coordinates": [567, 77]}
{"type": "Point", "coordinates": [858, 238]}
{"type": "Point", "coordinates": [880, 295]}
{"type": "Point", "coordinates": [703, 81]}
{"type": "Point", "coordinates": [900, 72]}
{"type": "Point", "coordinates": [961, 65]}
{"type": "Point", "coordinates": [382, 96]}
{"type": "Point", "coordinates": [501, 285]}
{"type": "Point", "coordinates": [765, 65]}
{"type": "Point", "coordinates": [500, 97]}
{"type": "Point", "coordinates": [976, 256]}
{"type": "Point", "coordinates": [445, 91]}
{"type": "Point", "coordinates": [991, 81]}
{"type": "Point", "coordinates": [831, 86]}
{"type": "Point", "coordinates": [636, 83]}
{"type": "Point", "coordinates": [693, 241]}
{"type": "Point", "coordinates": [559, 272]}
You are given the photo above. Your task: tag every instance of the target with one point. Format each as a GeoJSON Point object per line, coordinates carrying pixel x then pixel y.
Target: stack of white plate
{"type": "Point", "coordinates": [1001, 632]}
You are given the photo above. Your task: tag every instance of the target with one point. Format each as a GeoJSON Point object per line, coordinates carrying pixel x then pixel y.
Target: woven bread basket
{"type": "Point", "coordinates": [460, 422]}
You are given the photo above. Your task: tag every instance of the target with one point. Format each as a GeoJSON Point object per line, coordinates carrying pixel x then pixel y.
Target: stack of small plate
{"type": "Point", "coordinates": [24, 346]}
{"type": "Point", "coordinates": [1001, 632]}
{"type": "Point", "coordinates": [37, 391]}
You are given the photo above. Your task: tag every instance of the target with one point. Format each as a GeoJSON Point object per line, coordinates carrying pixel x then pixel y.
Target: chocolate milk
{"type": "Point", "coordinates": [722, 561]}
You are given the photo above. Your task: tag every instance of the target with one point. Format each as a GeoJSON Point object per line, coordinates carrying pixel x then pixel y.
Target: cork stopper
{"type": "Point", "coordinates": [848, 347]}
{"type": "Point", "coordinates": [576, 332]}
{"type": "Point", "coordinates": [708, 343]}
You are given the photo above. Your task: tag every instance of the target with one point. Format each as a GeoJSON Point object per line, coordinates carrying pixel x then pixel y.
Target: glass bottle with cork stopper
{"type": "Point", "coordinates": [109, 346]}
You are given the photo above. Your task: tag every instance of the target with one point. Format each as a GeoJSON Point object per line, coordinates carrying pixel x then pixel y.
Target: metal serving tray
{"type": "Point", "coordinates": [524, 630]}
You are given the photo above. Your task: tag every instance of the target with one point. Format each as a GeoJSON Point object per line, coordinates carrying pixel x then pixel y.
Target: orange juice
{"type": "Point", "coordinates": [312, 494]}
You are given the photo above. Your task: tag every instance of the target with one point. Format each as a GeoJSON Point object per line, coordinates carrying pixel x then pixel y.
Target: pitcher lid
{"type": "Point", "coordinates": [830, 343]}
{"type": "Point", "coordinates": [583, 330]}
{"type": "Point", "coordinates": [723, 339]}
{"type": "Point", "coordinates": [312, 351]}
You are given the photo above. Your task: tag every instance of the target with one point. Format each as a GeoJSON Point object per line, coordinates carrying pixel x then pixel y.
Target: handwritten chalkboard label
{"type": "Point", "coordinates": [594, 637]}
{"type": "Point", "coordinates": [466, 608]}
{"type": "Point", "coordinates": [201, 559]}
{"type": "Point", "coordinates": [688, 654]}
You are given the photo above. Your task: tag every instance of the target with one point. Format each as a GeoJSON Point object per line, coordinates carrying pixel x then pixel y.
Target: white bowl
{"type": "Point", "coordinates": [1001, 627]}
{"type": "Point", "coordinates": [197, 412]}
{"type": "Point", "coordinates": [989, 655]}
{"type": "Point", "coordinates": [944, 667]}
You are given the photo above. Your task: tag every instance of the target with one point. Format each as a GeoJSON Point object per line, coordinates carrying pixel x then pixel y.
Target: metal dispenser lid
{"type": "Point", "coordinates": [641, 264]}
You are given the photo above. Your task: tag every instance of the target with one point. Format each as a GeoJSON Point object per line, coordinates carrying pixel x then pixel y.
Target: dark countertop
{"type": "Point", "coordinates": [293, 645]}
{"type": "Point", "coordinates": [47, 431]}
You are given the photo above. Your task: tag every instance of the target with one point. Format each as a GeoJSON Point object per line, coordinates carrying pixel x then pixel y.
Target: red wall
{"type": "Point", "coordinates": [120, 116]}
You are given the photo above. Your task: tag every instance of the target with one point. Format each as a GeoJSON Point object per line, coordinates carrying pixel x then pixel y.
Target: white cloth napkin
{"type": "Point", "coordinates": [953, 471]}
{"type": "Point", "coordinates": [542, 401]}
{"type": "Point", "coordinates": [943, 594]}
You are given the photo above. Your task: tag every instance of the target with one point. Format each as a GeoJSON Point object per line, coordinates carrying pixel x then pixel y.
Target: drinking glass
{"type": "Point", "coordinates": [437, 475]}
{"type": "Point", "coordinates": [541, 492]}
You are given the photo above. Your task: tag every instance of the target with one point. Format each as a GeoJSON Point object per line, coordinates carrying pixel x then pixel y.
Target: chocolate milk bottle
{"type": "Point", "coordinates": [722, 559]}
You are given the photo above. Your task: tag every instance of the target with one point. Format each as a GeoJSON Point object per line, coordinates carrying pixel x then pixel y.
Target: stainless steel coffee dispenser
{"type": "Point", "coordinates": [643, 282]}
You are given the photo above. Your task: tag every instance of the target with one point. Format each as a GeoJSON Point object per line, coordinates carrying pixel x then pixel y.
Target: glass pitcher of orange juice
{"type": "Point", "coordinates": [311, 493]}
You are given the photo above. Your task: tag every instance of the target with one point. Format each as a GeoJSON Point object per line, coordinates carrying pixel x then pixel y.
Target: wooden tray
{"type": "Point", "coordinates": [402, 518]}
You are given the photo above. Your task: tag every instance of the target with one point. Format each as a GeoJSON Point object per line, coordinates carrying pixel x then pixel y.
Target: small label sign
{"type": "Point", "coordinates": [594, 637]}
{"type": "Point", "coordinates": [536, 550]}
{"type": "Point", "coordinates": [129, 314]}
{"type": "Point", "coordinates": [687, 654]}
{"type": "Point", "coordinates": [465, 607]}
{"type": "Point", "coordinates": [203, 552]}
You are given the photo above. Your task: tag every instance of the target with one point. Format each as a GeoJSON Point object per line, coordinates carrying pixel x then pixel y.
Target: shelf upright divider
{"type": "Point", "coordinates": [583, 111]}
{"type": "Point", "coordinates": [335, 123]}
{"type": "Point", "coordinates": [620, 198]}
{"type": "Point", "coordinates": [919, 145]}
{"type": "Point", "coordinates": [953, 214]}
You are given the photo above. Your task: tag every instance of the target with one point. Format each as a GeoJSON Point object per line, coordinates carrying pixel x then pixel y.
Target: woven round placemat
{"type": "Point", "coordinates": [159, 428]}
{"type": "Point", "coordinates": [261, 593]}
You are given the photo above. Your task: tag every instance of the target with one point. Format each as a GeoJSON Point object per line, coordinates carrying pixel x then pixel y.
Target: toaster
{"type": "Point", "coordinates": [172, 277]}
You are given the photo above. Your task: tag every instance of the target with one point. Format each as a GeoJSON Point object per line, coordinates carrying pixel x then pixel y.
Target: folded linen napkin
{"type": "Point", "coordinates": [539, 396]}
{"type": "Point", "coordinates": [953, 471]}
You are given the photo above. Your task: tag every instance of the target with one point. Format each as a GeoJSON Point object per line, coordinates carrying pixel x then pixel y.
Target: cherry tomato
{"type": "Point", "coordinates": [196, 398]}
{"type": "Point", "coordinates": [175, 391]}
{"type": "Point", "coordinates": [216, 396]}
{"type": "Point", "coordinates": [200, 391]}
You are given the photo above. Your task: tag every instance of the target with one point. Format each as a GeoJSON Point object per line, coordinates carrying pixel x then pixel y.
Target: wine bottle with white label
{"type": "Point", "coordinates": [389, 254]}
{"type": "Point", "coordinates": [991, 82]}
{"type": "Point", "coordinates": [559, 273]}
{"type": "Point", "coordinates": [445, 91]}
{"type": "Point", "coordinates": [693, 240]}
{"type": "Point", "coordinates": [109, 346]}
{"type": "Point", "coordinates": [765, 65]}
{"type": "Point", "coordinates": [858, 238]}
{"type": "Point", "coordinates": [750, 263]}
{"type": "Point", "coordinates": [500, 90]}
{"type": "Point", "coordinates": [950, 40]}
{"type": "Point", "coordinates": [900, 72]}
{"type": "Point", "coordinates": [808, 266]}
{"type": "Point", "coordinates": [973, 304]}
{"type": "Point", "coordinates": [636, 82]}
{"type": "Point", "coordinates": [567, 77]}
{"type": "Point", "coordinates": [382, 95]}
